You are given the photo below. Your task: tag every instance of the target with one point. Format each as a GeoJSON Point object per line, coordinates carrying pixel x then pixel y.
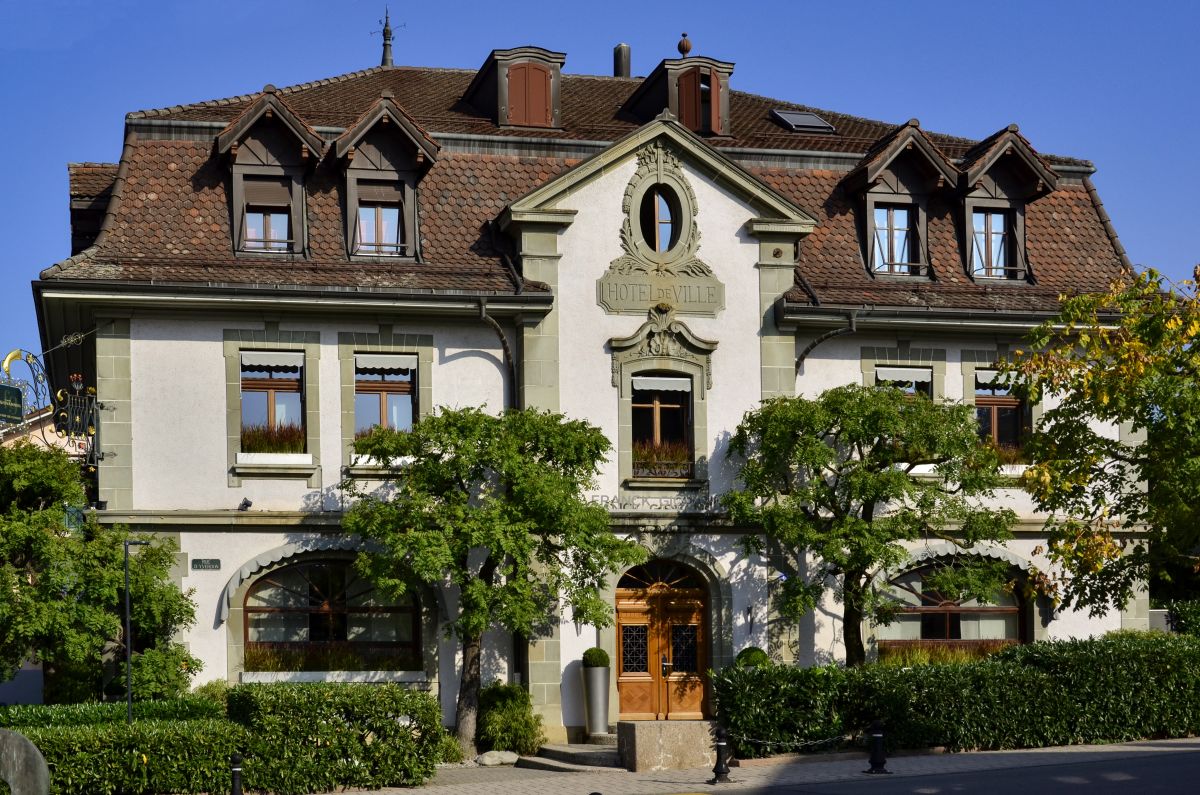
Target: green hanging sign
{"type": "Point", "coordinates": [12, 405]}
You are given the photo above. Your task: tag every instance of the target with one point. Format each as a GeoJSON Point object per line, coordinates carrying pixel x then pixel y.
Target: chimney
{"type": "Point", "coordinates": [621, 59]}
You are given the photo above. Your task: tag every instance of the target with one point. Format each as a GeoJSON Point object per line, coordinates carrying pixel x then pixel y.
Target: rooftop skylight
{"type": "Point", "coordinates": [801, 121]}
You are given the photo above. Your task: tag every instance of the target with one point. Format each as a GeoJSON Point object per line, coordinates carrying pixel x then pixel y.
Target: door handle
{"type": "Point", "coordinates": [665, 666]}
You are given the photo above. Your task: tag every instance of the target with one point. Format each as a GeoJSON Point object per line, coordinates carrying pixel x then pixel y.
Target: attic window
{"type": "Point", "coordinates": [699, 93]}
{"type": "Point", "coordinates": [801, 121]}
{"type": "Point", "coordinates": [530, 97]}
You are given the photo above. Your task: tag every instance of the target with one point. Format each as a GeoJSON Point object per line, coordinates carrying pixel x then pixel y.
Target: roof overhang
{"type": "Point", "coordinates": [269, 103]}
{"type": "Point", "coordinates": [908, 138]}
{"type": "Point", "coordinates": [1009, 141]}
{"type": "Point", "coordinates": [386, 110]}
{"type": "Point", "coordinates": [794, 317]}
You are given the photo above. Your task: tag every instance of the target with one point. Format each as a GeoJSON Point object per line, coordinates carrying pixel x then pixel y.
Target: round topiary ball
{"type": "Point", "coordinates": [752, 657]}
{"type": "Point", "coordinates": [595, 658]}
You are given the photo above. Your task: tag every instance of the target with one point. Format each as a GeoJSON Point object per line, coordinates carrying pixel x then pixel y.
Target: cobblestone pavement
{"type": "Point", "coordinates": [520, 781]}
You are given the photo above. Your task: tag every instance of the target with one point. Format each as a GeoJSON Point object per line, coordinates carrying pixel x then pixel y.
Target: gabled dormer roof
{"type": "Point", "coordinates": [907, 137]}
{"type": "Point", "coordinates": [385, 108]}
{"type": "Point", "coordinates": [981, 158]}
{"type": "Point", "coordinates": [539, 205]}
{"type": "Point", "coordinates": [269, 104]}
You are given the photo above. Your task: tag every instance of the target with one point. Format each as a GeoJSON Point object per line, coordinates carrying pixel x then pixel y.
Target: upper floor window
{"type": "Point", "coordinates": [266, 220]}
{"type": "Point", "coordinates": [1002, 416]}
{"type": "Point", "coordinates": [894, 240]}
{"type": "Point", "coordinates": [384, 392]}
{"type": "Point", "coordinates": [661, 414]}
{"type": "Point", "coordinates": [530, 95]}
{"type": "Point", "coordinates": [381, 221]}
{"type": "Point", "coordinates": [910, 380]}
{"type": "Point", "coordinates": [658, 218]}
{"type": "Point", "coordinates": [991, 252]}
{"type": "Point", "coordinates": [272, 402]}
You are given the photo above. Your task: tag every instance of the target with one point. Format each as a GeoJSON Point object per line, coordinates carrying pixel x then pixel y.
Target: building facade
{"type": "Point", "coordinates": [258, 279]}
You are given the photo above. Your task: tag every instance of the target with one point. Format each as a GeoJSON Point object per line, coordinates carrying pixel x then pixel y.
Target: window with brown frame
{"type": "Point", "coordinates": [384, 392]}
{"type": "Point", "coordinates": [530, 95]}
{"type": "Point", "coordinates": [659, 219]}
{"type": "Point", "coordinates": [991, 250]}
{"type": "Point", "coordinates": [267, 215]}
{"type": "Point", "coordinates": [381, 221]}
{"type": "Point", "coordinates": [662, 427]}
{"type": "Point", "coordinates": [925, 616]}
{"type": "Point", "coordinates": [894, 240]}
{"type": "Point", "coordinates": [272, 402]}
{"type": "Point", "coordinates": [1003, 417]}
{"type": "Point", "coordinates": [320, 615]}
{"type": "Point", "coordinates": [699, 99]}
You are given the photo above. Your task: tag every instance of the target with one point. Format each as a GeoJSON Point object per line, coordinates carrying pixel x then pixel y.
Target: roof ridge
{"type": "Point", "coordinates": [225, 101]}
{"type": "Point", "coordinates": [91, 164]}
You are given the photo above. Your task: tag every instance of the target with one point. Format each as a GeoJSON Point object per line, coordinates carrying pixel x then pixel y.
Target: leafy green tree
{"type": "Point", "coordinates": [62, 583]}
{"type": "Point", "coordinates": [1125, 507]}
{"type": "Point", "coordinates": [494, 506]}
{"type": "Point", "coordinates": [841, 481]}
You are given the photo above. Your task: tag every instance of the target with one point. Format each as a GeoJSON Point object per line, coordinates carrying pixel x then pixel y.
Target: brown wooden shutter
{"type": "Point", "coordinates": [384, 192]}
{"type": "Point", "coordinates": [529, 95]}
{"type": "Point", "coordinates": [270, 191]}
{"type": "Point", "coordinates": [714, 98]}
{"type": "Point", "coordinates": [688, 93]}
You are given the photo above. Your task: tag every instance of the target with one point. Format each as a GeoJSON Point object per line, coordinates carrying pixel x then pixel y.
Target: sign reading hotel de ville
{"type": "Point", "coordinates": [661, 240]}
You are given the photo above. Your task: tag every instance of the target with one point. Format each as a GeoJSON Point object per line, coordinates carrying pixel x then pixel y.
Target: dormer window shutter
{"type": "Point", "coordinates": [384, 192]}
{"type": "Point", "coordinates": [268, 191]}
{"type": "Point", "coordinates": [529, 95]}
{"type": "Point", "coordinates": [688, 90]}
{"type": "Point", "coordinates": [714, 101]}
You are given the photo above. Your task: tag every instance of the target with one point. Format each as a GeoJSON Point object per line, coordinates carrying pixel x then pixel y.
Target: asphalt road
{"type": "Point", "coordinates": [1175, 773]}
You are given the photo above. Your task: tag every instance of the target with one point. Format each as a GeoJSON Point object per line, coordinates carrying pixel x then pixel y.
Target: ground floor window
{"type": "Point", "coordinates": [927, 618]}
{"type": "Point", "coordinates": [320, 615]}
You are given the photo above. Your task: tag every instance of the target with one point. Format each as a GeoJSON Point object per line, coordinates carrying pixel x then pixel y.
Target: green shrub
{"type": "Point", "coordinates": [1124, 686]}
{"type": "Point", "coordinates": [507, 722]}
{"type": "Point", "coordinates": [320, 737]}
{"type": "Point", "coordinates": [449, 751]}
{"type": "Point", "coordinates": [23, 716]}
{"type": "Point", "coordinates": [177, 756]}
{"type": "Point", "coordinates": [216, 691]}
{"type": "Point", "coordinates": [595, 657]}
{"type": "Point", "coordinates": [163, 672]}
{"type": "Point", "coordinates": [1184, 616]}
{"type": "Point", "coordinates": [751, 657]}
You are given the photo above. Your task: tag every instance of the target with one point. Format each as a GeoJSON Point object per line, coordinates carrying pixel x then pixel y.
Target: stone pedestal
{"type": "Point", "coordinates": [665, 744]}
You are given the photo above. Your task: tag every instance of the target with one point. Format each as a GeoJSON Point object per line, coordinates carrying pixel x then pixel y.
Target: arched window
{"type": "Point", "coordinates": [927, 617]}
{"type": "Point", "coordinates": [319, 615]}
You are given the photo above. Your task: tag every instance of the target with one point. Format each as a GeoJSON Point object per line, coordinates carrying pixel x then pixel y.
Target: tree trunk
{"type": "Point", "coordinates": [466, 713]}
{"type": "Point", "coordinates": [852, 619]}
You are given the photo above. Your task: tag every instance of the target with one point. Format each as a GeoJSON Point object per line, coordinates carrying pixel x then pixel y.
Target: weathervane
{"type": "Point", "coordinates": [387, 37]}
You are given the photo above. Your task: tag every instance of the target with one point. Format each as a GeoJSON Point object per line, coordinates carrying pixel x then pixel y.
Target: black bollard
{"type": "Point", "coordinates": [235, 771]}
{"type": "Point", "coordinates": [877, 758]}
{"type": "Point", "coordinates": [721, 768]}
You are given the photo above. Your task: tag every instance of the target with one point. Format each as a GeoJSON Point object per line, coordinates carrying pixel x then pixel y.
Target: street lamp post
{"type": "Point", "coordinates": [129, 635]}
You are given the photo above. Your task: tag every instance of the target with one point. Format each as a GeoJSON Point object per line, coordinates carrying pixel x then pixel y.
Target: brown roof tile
{"type": "Point", "coordinates": [90, 180]}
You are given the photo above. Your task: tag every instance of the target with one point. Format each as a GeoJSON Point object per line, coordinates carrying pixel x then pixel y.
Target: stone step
{"type": "Point", "coordinates": [602, 739]}
{"type": "Point", "coordinates": [589, 755]}
{"type": "Point", "coordinates": [555, 766]}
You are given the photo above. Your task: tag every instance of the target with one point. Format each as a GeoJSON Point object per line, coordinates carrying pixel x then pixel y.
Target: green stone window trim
{"type": "Point", "coordinates": [903, 355]}
{"type": "Point", "coordinates": [662, 346]}
{"type": "Point", "coordinates": [270, 338]}
{"type": "Point", "coordinates": [384, 341]}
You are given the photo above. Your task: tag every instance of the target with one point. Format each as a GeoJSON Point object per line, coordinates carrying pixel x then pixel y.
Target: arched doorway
{"type": "Point", "coordinates": [662, 642]}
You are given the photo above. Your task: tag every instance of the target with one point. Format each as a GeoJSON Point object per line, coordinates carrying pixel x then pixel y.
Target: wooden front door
{"type": "Point", "coordinates": [662, 644]}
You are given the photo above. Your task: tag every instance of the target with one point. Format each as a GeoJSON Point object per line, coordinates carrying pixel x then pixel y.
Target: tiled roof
{"type": "Point", "coordinates": [590, 111]}
{"type": "Point", "coordinates": [171, 223]}
{"type": "Point", "coordinates": [90, 180]}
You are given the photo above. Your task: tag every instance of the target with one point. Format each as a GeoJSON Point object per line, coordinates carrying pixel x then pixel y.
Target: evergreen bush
{"type": "Point", "coordinates": [1124, 686]}
{"type": "Point", "coordinates": [751, 657]}
{"type": "Point", "coordinates": [507, 722]}
{"type": "Point", "coordinates": [28, 716]}
{"type": "Point", "coordinates": [595, 657]}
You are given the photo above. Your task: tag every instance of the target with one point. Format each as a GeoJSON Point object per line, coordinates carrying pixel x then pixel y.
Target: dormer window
{"type": "Point", "coordinates": [693, 89]}
{"type": "Point", "coordinates": [894, 240]}
{"type": "Point", "coordinates": [698, 92]}
{"type": "Point", "coordinates": [519, 87]}
{"type": "Point", "coordinates": [266, 222]}
{"type": "Point", "coordinates": [381, 220]}
{"type": "Point", "coordinates": [991, 230]}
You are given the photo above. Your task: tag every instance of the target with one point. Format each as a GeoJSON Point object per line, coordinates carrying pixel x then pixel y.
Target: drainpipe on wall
{"type": "Point", "coordinates": [850, 327]}
{"type": "Point", "coordinates": [508, 357]}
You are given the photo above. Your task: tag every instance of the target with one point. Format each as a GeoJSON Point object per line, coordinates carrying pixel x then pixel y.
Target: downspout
{"type": "Point", "coordinates": [508, 357]}
{"type": "Point", "coordinates": [850, 328]}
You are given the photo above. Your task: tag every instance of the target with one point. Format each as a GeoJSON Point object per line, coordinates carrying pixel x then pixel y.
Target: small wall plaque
{"type": "Point", "coordinates": [206, 564]}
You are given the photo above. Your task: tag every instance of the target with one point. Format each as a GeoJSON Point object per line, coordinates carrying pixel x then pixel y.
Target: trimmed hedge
{"type": "Point", "coordinates": [143, 758]}
{"type": "Point", "coordinates": [25, 716]}
{"type": "Point", "coordinates": [320, 737]}
{"type": "Point", "coordinates": [1123, 686]}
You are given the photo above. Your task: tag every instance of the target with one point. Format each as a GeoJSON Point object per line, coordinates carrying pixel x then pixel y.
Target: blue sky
{"type": "Point", "coordinates": [1113, 82]}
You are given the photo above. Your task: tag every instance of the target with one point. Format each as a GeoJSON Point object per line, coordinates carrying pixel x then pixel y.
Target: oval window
{"type": "Point", "coordinates": [659, 211]}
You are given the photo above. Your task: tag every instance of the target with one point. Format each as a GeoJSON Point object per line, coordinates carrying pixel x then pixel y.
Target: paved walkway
{"type": "Point", "coordinates": [520, 781]}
